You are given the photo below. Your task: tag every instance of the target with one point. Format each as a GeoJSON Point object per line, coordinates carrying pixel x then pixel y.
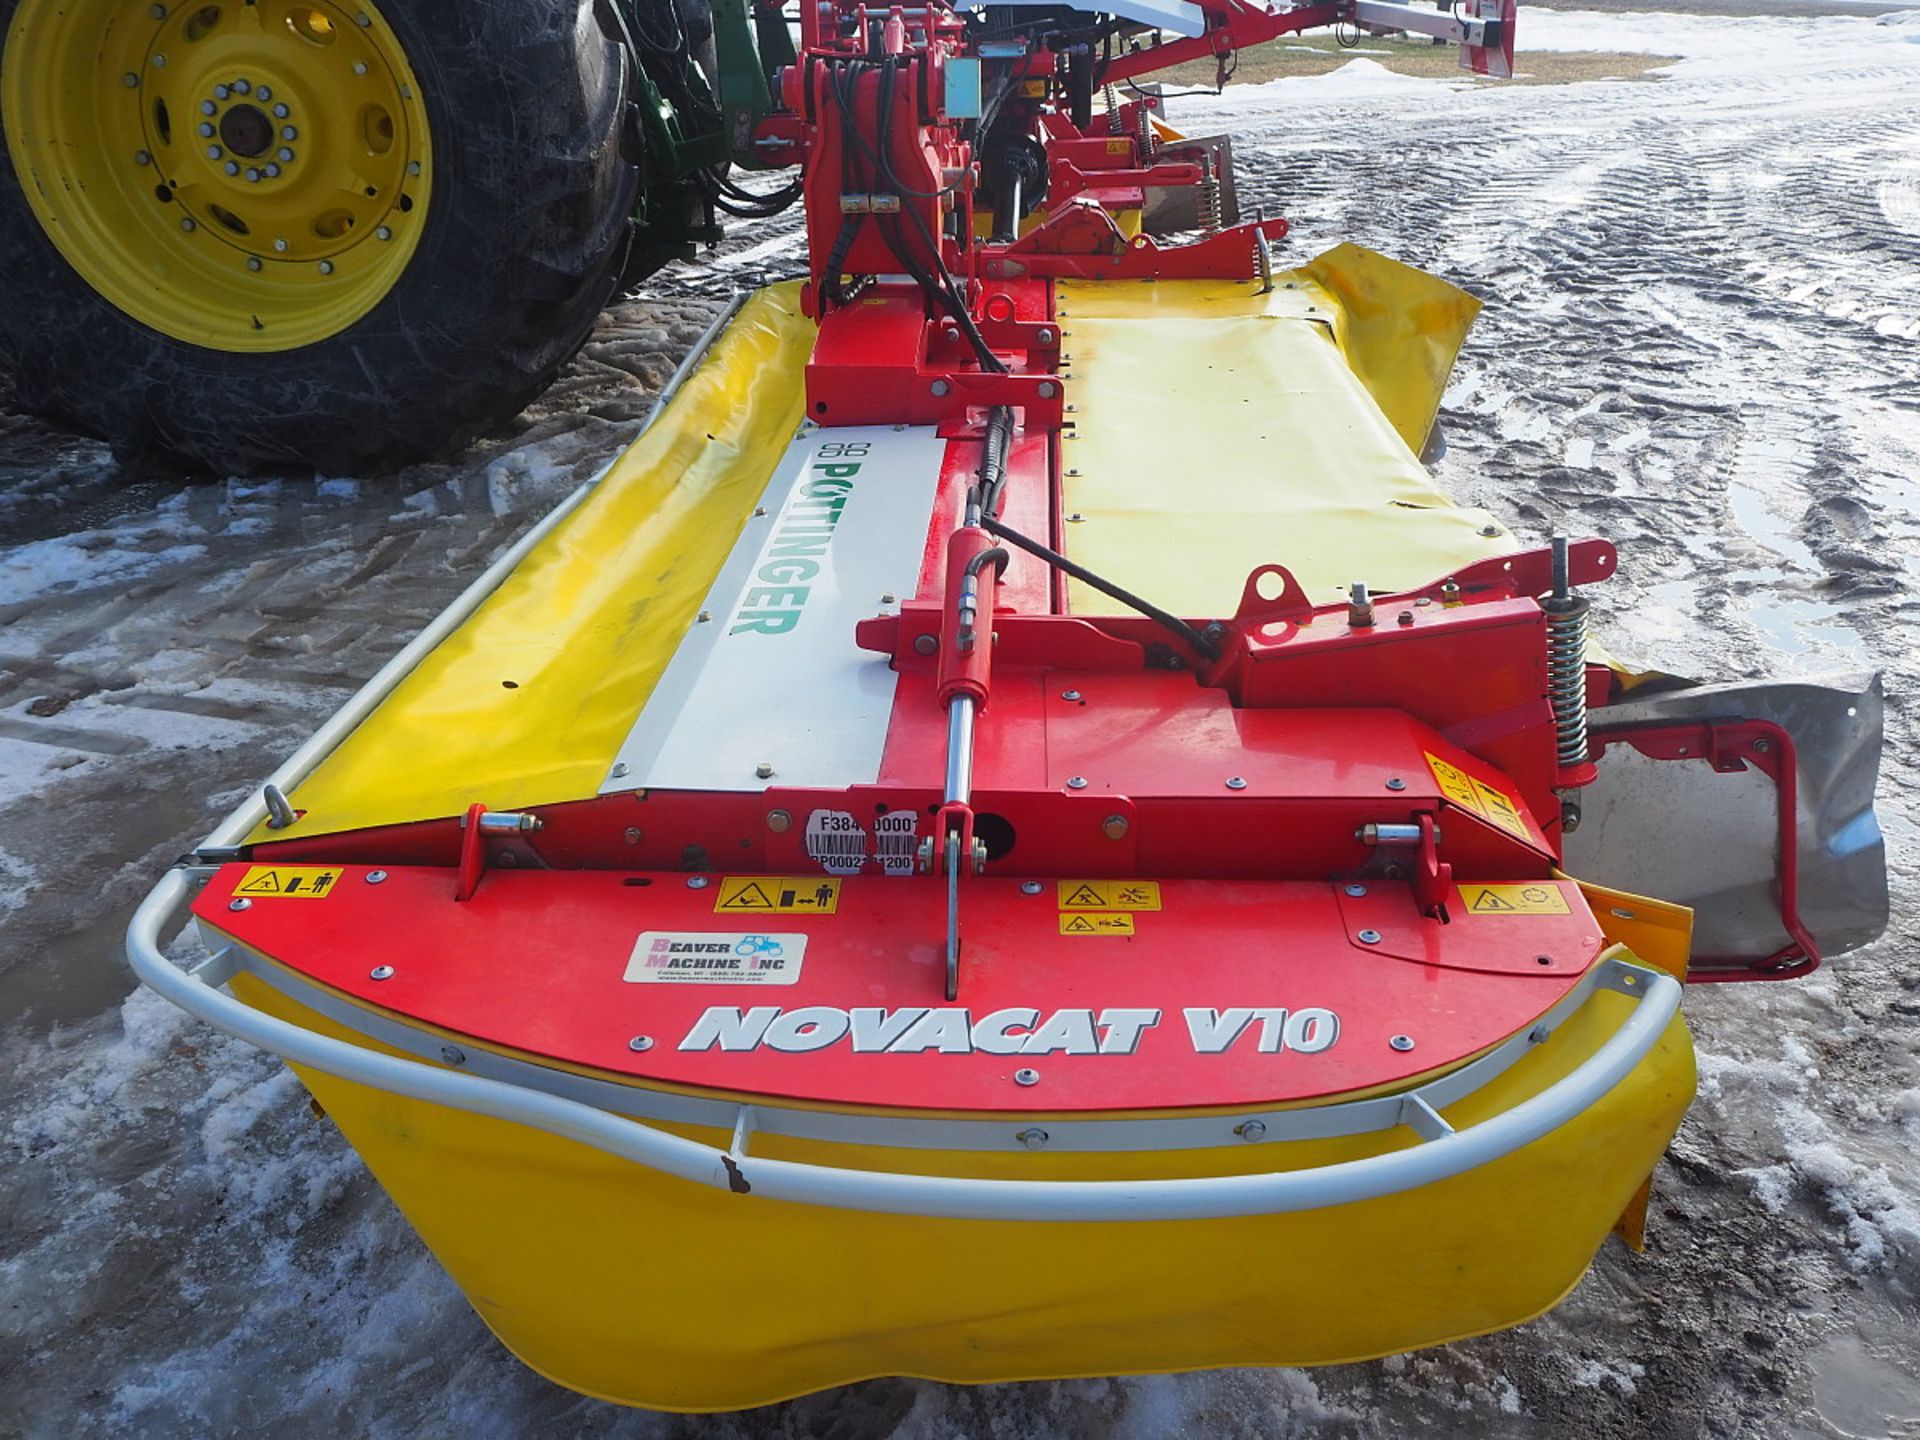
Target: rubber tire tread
{"type": "Point", "coordinates": [526, 234]}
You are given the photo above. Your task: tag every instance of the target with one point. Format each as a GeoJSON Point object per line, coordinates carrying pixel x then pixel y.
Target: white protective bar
{"type": "Point", "coordinates": [1201, 1198]}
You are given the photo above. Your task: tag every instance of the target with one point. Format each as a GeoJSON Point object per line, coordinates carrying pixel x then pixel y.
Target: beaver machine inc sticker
{"type": "Point", "coordinates": [706, 957]}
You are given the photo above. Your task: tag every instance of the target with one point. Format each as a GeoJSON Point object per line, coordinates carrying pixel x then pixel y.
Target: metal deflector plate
{"type": "Point", "coordinates": [771, 679]}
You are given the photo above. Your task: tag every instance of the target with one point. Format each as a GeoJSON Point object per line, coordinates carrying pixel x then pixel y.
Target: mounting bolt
{"type": "Point", "coordinates": [262, 93]}
{"type": "Point", "coordinates": [925, 644]}
{"type": "Point", "coordinates": [1044, 335]}
{"type": "Point", "coordinates": [940, 389]}
{"type": "Point", "coordinates": [240, 904]}
{"type": "Point", "coordinates": [221, 92]}
{"type": "Point", "coordinates": [241, 87]}
{"type": "Point", "coordinates": [141, 157]}
{"type": "Point", "coordinates": [160, 62]}
{"type": "Point", "coordinates": [764, 770]}
{"type": "Point", "coordinates": [280, 245]}
{"type": "Point", "coordinates": [1251, 1130]}
{"type": "Point", "coordinates": [1075, 518]}
{"type": "Point", "coordinates": [1356, 890]}
{"type": "Point", "coordinates": [1033, 1137]}
{"type": "Point", "coordinates": [1396, 783]}
{"type": "Point", "coordinates": [1114, 827]}
{"type": "Point", "coordinates": [205, 128]}
{"type": "Point", "coordinates": [186, 222]}
{"type": "Point", "coordinates": [704, 617]}
{"type": "Point", "coordinates": [381, 972]}
{"type": "Point", "coordinates": [283, 154]}
{"type": "Point", "coordinates": [287, 132]}
{"type": "Point", "coordinates": [1401, 1042]}
{"type": "Point", "coordinates": [359, 67]}
{"type": "Point", "coordinates": [1368, 937]}
{"type": "Point", "coordinates": [1070, 695]}
{"type": "Point", "coordinates": [363, 20]}
{"type": "Point", "coordinates": [1539, 1034]}
{"type": "Point", "coordinates": [1489, 531]}
{"type": "Point", "coordinates": [1076, 782]}
{"type": "Point", "coordinates": [633, 835]}
{"type": "Point", "coordinates": [413, 167]}
{"type": "Point", "coordinates": [453, 1055]}
{"type": "Point", "coordinates": [1026, 1076]}
{"type": "Point", "coordinates": [253, 175]}
{"type": "Point", "coordinates": [213, 151]}
{"type": "Point", "coordinates": [158, 12]}
{"type": "Point", "coordinates": [696, 882]}
{"type": "Point", "coordinates": [619, 769]}
{"type": "Point", "coordinates": [384, 232]}
{"type": "Point", "coordinates": [253, 262]}
{"type": "Point", "coordinates": [232, 167]}
{"type": "Point", "coordinates": [779, 821]}
{"type": "Point", "coordinates": [1031, 887]}
{"type": "Point", "coordinates": [1236, 782]}
{"type": "Point", "coordinates": [376, 877]}
{"type": "Point", "coordinates": [640, 1044]}
{"type": "Point", "coordinates": [326, 267]}
{"type": "Point", "coordinates": [280, 111]}
{"type": "Point", "coordinates": [130, 80]}
{"type": "Point", "coordinates": [1047, 390]}
{"type": "Point", "coordinates": [207, 107]}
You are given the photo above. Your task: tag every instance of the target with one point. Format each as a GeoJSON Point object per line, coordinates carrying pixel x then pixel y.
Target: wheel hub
{"type": "Point", "coordinates": [267, 162]}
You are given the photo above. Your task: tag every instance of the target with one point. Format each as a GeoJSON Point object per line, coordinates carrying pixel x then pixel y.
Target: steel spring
{"type": "Point", "coordinates": [1146, 136]}
{"type": "Point", "coordinates": [1567, 676]}
{"type": "Point", "coordinates": [1113, 110]}
{"type": "Point", "coordinates": [1210, 199]}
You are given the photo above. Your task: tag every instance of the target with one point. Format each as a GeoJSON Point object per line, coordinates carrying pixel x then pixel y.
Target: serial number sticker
{"type": "Point", "coordinates": [1096, 922]}
{"type": "Point", "coordinates": [777, 895]}
{"type": "Point", "coordinates": [1514, 900]}
{"type": "Point", "coordinates": [706, 957]}
{"type": "Point", "coordinates": [1478, 797]}
{"type": "Point", "coordinates": [1109, 894]}
{"type": "Point", "coordinates": [289, 882]}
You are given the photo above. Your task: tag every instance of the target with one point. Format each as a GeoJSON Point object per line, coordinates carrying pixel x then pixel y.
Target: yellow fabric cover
{"type": "Point", "coordinates": [636, 1287]}
{"type": "Point", "coordinates": [587, 622]}
{"type": "Point", "coordinates": [1217, 429]}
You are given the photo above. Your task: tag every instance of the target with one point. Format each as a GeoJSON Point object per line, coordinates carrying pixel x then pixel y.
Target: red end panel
{"type": "Point", "coordinates": [1204, 993]}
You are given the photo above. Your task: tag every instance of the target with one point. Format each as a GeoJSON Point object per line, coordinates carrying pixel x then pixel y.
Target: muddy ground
{"type": "Point", "coordinates": [1702, 339]}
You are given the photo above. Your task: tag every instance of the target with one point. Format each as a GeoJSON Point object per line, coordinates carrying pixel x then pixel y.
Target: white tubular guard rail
{"type": "Point", "coordinates": [1203, 1198]}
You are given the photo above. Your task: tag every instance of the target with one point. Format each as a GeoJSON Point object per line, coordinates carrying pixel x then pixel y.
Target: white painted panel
{"type": "Point", "coordinates": [773, 677]}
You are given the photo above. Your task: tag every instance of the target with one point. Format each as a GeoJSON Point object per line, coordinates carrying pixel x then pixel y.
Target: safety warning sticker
{"type": "Point", "coordinates": [1514, 900]}
{"type": "Point", "coordinates": [1109, 895]}
{"type": "Point", "coordinates": [777, 895]}
{"type": "Point", "coordinates": [666, 957]}
{"type": "Point", "coordinates": [1096, 922]}
{"type": "Point", "coordinates": [288, 882]}
{"type": "Point", "coordinates": [1477, 796]}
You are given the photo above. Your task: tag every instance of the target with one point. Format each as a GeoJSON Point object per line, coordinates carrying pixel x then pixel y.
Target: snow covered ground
{"type": "Point", "coordinates": [1702, 338]}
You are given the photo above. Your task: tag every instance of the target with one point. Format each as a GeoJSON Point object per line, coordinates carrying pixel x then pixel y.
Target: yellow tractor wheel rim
{"type": "Point", "coordinates": [245, 175]}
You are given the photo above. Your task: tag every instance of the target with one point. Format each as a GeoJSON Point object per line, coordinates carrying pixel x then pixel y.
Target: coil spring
{"type": "Point", "coordinates": [1113, 110]}
{"type": "Point", "coordinates": [1146, 136]}
{"type": "Point", "coordinates": [1209, 199]}
{"type": "Point", "coordinates": [1567, 676]}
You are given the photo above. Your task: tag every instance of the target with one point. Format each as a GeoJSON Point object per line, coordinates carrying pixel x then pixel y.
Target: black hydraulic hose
{"type": "Point", "coordinates": [993, 460]}
{"type": "Point", "coordinates": [996, 557]}
{"type": "Point", "coordinates": [1200, 643]}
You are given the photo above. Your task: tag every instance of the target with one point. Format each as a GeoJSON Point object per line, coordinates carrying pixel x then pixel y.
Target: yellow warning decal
{"type": "Point", "coordinates": [288, 882]}
{"type": "Point", "coordinates": [1514, 900]}
{"type": "Point", "coordinates": [777, 895]}
{"type": "Point", "coordinates": [1477, 796]}
{"type": "Point", "coordinates": [1109, 895]}
{"type": "Point", "coordinates": [1095, 922]}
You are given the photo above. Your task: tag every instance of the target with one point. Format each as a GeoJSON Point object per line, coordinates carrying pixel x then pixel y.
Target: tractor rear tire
{"type": "Point", "coordinates": [179, 284]}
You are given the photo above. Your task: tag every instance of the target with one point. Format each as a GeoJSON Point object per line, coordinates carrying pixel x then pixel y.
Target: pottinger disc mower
{"type": "Point", "coordinates": [1015, 832]}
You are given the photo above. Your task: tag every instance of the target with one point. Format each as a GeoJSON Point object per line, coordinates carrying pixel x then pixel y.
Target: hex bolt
{"type": "Point", "coordinates": [387, 234]}
{"type": "Point", "coordinates": [640, 1044]}
{"type": "Point", "coordinates": [376, 877]}
{"type": "Point", "coordinates": [141, 157]}
{"type": "Point", "coordinates": [1044, 335]}
{"type": "Point", "coordinates": [213, 152]}
{"type": "Point", "coordinates": [280, 112]}
{"type": "Point", "coordinates": [186, 223]}
{"type": "Point", "coordinates": [1405, 617]}
{"type": "Point", "coordinates": [1356, 890]}
{"type": "Point", "coordinates": [207, 107]}
{"type": "Point", "coordinates": [1072, 696]}
{"type": "Point", "coordinates": [1401, 1042]}
{"type": "Point", "coordinates": [262, 94]}
{"type": "Point", "coordinates": [940, 388]}
{"type": "Point", "coordinates": [253, 175]}
{"type": "Point", "coordinates": [272, 172]}
{"type": "Point", "coordinates": [221, 92]}
{"type": "Point", "coordinates": [1236, 782]}
{"type": "Point", "coordinates": [381, 972]}
{"type": "Point", "coordinates": [130, 80]}
{"type": "Point", "coordinates": [158, 12]}
{"type": "Point", "coordinates": [1114, 827]}
{"type": "Point", "coordinates": [779, 821]}
{"type": "Point", "coordinates": [619, 769]}
{"type": "Point", "coordinates": [1489, 531]}
{"type": "Point", "coordinates": [413, 167]}
{"type": "Point", "coordinates": [206, 130]}
{"type": "Point", "coordinates": [1075, 518]}
{"type": "Point", "coordinates": [1396, 783]}
{"type": "Point", "coordinates": [1033, 1137]}
{"type": "Point", "coordinates": [1031, 887]}
{"type": "Point", "coordinates": [283, 154]}
{"type": "Point", "coordinates": [696, 882]}
{"type": "Point", "coordinates": [326, 267]}
{"type": "Point", "coordinates": [1368, 937]}
{"type": "Point", "coordinates": [764, 770]}
{"type": "Point", "coordinates": [453, 1055]}
{"type": "Point", "coordinates": [241, 87]}
{"type": "Point", "coordinates": [1026, 1076]}
{"type": "Point", "coordinates": [240, 904]}
{"type": "Point", "coordinates": [253, 262]}
{"type": "Point", "coordinates": [359, 67]}
{"type": "Point", "coordinates": [1076, 782]}
{"type": "Point", "coordinates": [1047, 390]}
{"type": "Point", "coordinates": [280, 245]}
{"type": "Point", "coordinates": [288, 132]}
{"type": "Point", "coordinates": [705, 616]}
{"type": "Point", "coordinates": [1538, 1034]}
{"type": "Point", "coordinates": [1251, 1130]}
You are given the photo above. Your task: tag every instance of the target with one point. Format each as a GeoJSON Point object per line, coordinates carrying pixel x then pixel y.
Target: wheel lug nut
{"type": "Point", "coordinates": [326, 267]}
{"type": "Point", "coordinates": [272, 172]}
{"type": "Point", "coordinates": [384, 232]}
{"type": "Point", "coordinates": [285, 153]}
{"type": "Point", "coordinates": [213, 152]}
{"type": "Point", "coordinates": [232, 167]}
{"type": "Point", "coordinates": [253, 262]}
{"type": "Point", "coordinates": [253, 176]}
{"type": "Point", "coordinates": [262, 93]}
{"type": "Point", "coordinates": [221, 92]}
{"type": "Point", "coordinates": [280, 111]}
{"type": "Point", "coordinates": [287, 132]}
{"type": "Point", "coordinates": [206, 130]}
{"type": "Point", "coordinates": [207, 107]}
{"type": "Point", "coordinates": [241, 87]}
{"type": "Point", "coordinates": [130, 80]}
{"type": "Point", "coordinates": [279, 245]}
{"type": "Point", "coordinates": [413, 167]}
